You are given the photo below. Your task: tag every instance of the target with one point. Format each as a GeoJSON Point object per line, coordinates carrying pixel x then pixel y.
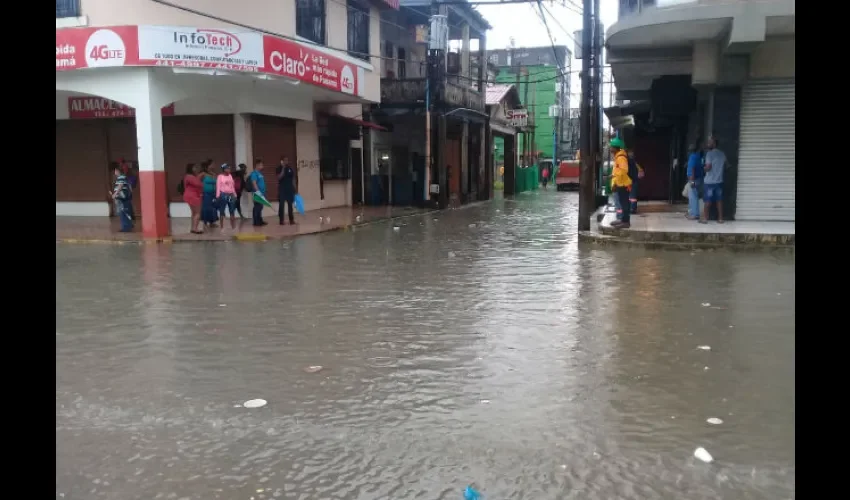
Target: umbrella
{"type": "Point", "coordinates": [259, 198]}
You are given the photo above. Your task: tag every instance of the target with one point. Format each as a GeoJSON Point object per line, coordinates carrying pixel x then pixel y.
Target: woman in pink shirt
{"type": "Point", "coordinates": [225, 191]}
{"type": "Point", "coordinates": [192, 193]}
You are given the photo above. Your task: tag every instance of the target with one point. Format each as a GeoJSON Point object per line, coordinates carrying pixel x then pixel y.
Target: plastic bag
{"type": "Point", "coordinates": [299, 204]}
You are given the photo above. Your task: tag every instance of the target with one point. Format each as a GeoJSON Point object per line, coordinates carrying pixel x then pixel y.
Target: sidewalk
{"type": "Point", "coordinates": [668, 228]}
{"type": "Point", "coordinates": [105, 229]}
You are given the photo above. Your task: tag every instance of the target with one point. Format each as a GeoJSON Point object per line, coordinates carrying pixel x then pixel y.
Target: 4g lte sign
{"type": "Point", "coordinates": [105, 48]}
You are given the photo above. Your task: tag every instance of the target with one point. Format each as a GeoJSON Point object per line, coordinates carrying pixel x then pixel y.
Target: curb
{"type": "Point", "coordinates": [240, 237]}
{"type": "Point", "coordinates": [610, 240]}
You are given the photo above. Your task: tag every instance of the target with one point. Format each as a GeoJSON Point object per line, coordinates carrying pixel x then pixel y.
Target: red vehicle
{"type": "Point", "coordinates": [568, 172]}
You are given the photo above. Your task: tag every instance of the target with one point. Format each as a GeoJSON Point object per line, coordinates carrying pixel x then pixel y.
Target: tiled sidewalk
{"type": "Point", "coordinates": [105, 229]}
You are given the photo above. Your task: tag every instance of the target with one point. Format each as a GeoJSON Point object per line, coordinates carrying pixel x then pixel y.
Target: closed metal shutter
{"type": "Point", "coordinates": [193, 139]}
{"type": "Point", "coordinates": [272, 139]}
{"type": "Point", "coordinates": [82, 162]}
{"type": "Point", "coordinates": [766, 161]}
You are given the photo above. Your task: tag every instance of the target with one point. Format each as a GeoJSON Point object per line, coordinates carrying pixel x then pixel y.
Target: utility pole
{"type": "Point", "coordinates": [435, 138]}
{"type": "Point", "coordinates": [586, 184]}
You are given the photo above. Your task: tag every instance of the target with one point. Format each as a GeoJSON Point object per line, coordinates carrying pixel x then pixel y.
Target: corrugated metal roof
{"type": "Point", "coordinates": [496, 93]}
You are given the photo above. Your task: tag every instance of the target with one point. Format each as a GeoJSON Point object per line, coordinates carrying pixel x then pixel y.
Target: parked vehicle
{"type": "Point", "coordinates": [568, 173]}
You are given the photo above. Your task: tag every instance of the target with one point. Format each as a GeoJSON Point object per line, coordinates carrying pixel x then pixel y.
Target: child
{"type": "Point", "coordinates": [121, 195]}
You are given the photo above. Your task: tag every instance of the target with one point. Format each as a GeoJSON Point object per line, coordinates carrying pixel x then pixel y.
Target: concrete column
{"type": "Point", "coordinates": [152, 185]}
{"type": "Point", "coordinates": [464, 162]}
{"type": "Point", "coordinates": [464, 56]}
{"type": "Point", "coordinates": [242, 138]}
{"type": "Point", "coordinates": [483, 190]}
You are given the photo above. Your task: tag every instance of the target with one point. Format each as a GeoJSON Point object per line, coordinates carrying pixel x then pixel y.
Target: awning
{"type": "Point", "coordinates": [623, 115]}
{"type": "Point", "coordinates": [468, 114]}
{"type": "Point", "coordinates": [502, 128]}
{"type": "Point", "coordinates": [361, 123]}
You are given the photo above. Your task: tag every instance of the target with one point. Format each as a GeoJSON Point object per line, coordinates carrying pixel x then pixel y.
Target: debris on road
{"type": "Point", "coordinates": [704, 347]}
{"type": "Point", "coordinates": [313, 369]}
{"type": "Point", "coordinates": [471, 494]}
{"type": "Point", "coordinates": [706, 304]}
{"type": "Point", "coordinates": [703, 455]}
{"type": "Point", "coordinates": [714, 421]}
{"type": "Point", "coordinates": [255, 403]}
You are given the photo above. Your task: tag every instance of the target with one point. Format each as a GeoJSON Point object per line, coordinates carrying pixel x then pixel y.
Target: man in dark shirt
{"type": "Point", "coordinates": [286, 188]}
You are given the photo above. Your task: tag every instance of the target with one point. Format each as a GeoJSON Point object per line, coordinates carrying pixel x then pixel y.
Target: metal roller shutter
{"type": "Point", "coordinates": [766, 170]}
{"type": "Point", "coordinates": [82, 172]}
{"type": "Point", "coordinates": [193, 139]}
{"type": "Point", "coordinates": [272, 138]}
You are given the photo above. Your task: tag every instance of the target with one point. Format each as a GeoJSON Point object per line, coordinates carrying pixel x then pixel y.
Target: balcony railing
{"type": "Point", "coordinates": [463, 97]}
{"type": "Point", "coordinates": [632, 7]}
{"type": "Point", "coordinates": [412, 91]}
{"type": "Point", "coordinates": [408, 91]}
{"type": "Point", "coordinates": [67, 8]}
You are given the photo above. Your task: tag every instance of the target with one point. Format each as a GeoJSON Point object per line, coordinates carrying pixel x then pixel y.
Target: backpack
{"type": "Point", "coordinates": [180, 187]}
{"type": "Point", "coordinates": [633, 169]}
{"type": "Point", "coordinates": [249, 183]}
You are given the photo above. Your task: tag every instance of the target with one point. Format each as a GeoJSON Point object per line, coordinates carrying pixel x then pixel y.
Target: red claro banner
{"type": "Point", "coordinates": [205, 48]}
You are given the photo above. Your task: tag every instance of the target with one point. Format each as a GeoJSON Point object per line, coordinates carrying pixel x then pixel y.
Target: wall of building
{"type": "Point", "coordinates": [541, 94]}
{"type": "Point", "coordinates": [773, 59]}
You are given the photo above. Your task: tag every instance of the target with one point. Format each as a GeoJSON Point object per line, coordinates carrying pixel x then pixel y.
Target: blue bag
{"type": "Point", "coordinates": [299, 204]}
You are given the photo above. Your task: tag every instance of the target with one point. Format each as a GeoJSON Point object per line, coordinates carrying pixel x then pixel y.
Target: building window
{"type": "Point", "coordinates": [67, 8]}
{"type": "Point", "coordinates": [358, 29]}
{"type": "Point", "coordinates": [389, 58]}
{"type": "Point", "coordinates": [310, 20]}
{"type": "Point", "coordinates": [402, 64]}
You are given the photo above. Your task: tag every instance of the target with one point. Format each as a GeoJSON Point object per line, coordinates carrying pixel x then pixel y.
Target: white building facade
{"type": "Point", "coordinates": [162, 84]}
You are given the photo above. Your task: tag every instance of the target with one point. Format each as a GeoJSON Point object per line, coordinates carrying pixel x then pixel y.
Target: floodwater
{"type": "Point", "coordinates": [479, 346]}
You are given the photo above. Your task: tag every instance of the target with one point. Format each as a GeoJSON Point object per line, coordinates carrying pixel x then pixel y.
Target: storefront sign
{"type": "Point", "coordinates": [173, 46]}
{"type": "Point", "coordinates": [306, 64]}
{"type": "Point", "coordinates": [98, 107]}
{"type": "Point", "coordinates": [200, 48]}
{"type": "Point", "coordinates": [517, 117]}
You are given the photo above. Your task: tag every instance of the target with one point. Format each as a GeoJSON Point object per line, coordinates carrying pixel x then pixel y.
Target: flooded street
{"type": "Point", "coordinates": [476, 346]}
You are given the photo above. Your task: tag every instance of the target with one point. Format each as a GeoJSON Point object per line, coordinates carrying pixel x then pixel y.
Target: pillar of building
{"type": "Point", "coordinates": [154, 192]}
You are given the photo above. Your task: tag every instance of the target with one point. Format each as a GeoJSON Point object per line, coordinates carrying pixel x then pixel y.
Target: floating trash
{"type": "Point", "coordinates": [255, 403]}
{"type": "Point", "coordinates": [472, 225]}
{"type": "Point", "coordinates": [703, 455]}
{"type": "Point", "coordinates": [704, 347]}
{"type": "Point", "coordinates": [313, 369]}
{"type": "Point", "coordinates": [706, 304]}
{"type": "Point", "coordinates": [451, 255]}
{"type": "Point", "coordinates": [714, 421]}
{"type": "Point", "coordinates": [705, 369]}
{"type": "Point", "coordinates": [321, 219]}
{"type": "Point", "coordinates": [471, 494]}
{"type": "Point", "coordinates": [358, 218]}
{"type": "Point", "coordinates": [396, 228]}
{"type": "Point", "coordinates": [222, 305]}
{"type": "Point", "coordinates": [485, 401]}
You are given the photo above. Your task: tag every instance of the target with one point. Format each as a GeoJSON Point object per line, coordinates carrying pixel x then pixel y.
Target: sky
{"type": "Point", "coordinates": [523, 23]}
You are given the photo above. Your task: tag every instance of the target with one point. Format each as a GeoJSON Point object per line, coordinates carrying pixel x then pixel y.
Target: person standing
{"type": "Point", "coordinates": [209, 214]}
{"type": "Point", "coordinates": [192, 193]}
{"type": "Point", "coordinates": [287, 187]}
{"type": "Point", "coordinates": [695, 175]}
{"type": "Point", "coordinates": [621, 182]}
{"type": "Point", "coordinates": [121, 193]}
{"type": "Point", "coordinates": [239, 184]}
{"type": "Point", "coordinates": [715, 164]}
{"type": "Point", "coordinates": [258, 183]}
{"type": "Point", "coordinates": [545, 177]}
{"type": "Point", "coordinates": [225, 193]}
{"type": "Point", "coordinates": [635, 174]}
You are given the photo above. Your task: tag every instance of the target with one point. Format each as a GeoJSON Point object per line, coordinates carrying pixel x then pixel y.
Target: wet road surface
{"type": "Point", "coordinates": [478, 346]}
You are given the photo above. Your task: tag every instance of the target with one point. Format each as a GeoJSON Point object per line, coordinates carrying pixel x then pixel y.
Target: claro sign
{"type": "Point", "coordinates": [293, 60]}
{"type": "Point", "coordinates": [188, 47]}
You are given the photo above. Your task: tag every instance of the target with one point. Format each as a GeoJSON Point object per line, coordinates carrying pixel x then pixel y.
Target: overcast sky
{"type": "Point", "coordinates": [523, 23]}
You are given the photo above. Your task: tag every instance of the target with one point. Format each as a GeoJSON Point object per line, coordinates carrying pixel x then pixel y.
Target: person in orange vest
{"type": "Point", "coordinates": [621, 183]}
